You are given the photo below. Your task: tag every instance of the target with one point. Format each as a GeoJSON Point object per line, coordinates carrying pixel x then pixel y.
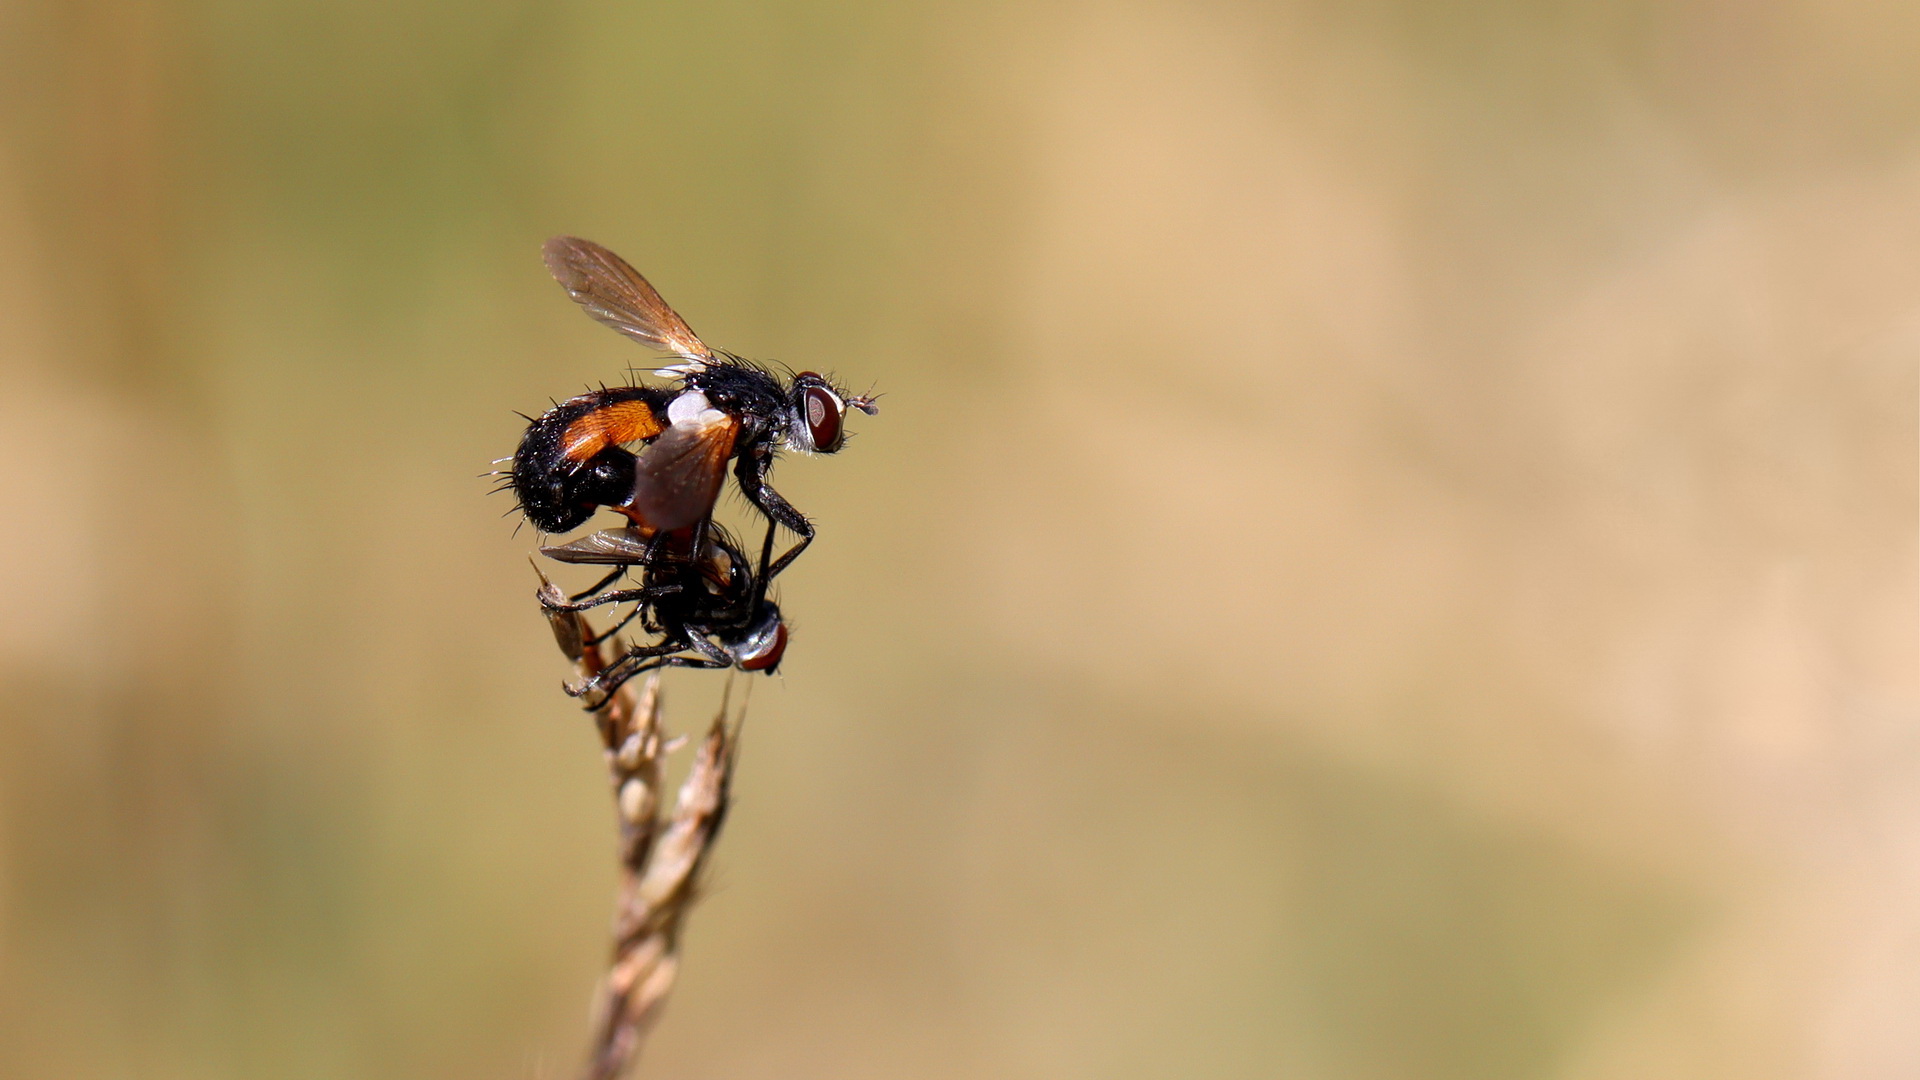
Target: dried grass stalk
{"type": "Point", "coordinates": [660, 854]}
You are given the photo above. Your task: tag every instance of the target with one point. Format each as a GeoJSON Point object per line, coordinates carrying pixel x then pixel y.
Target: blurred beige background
{"type": "Point", "coordinates": [1389, 551]}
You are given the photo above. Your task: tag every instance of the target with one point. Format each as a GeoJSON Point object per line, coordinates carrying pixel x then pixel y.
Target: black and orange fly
{"type": "Point", "coordinates": [658, 454]}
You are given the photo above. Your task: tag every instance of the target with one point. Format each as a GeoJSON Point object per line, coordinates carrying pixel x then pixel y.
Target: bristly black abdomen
{"type": "Point", "coordinates": [571, 460]}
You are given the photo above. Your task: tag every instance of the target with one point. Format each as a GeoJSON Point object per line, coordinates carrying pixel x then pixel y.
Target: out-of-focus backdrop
{"type": "Point", "coordinates": [1389, 550]}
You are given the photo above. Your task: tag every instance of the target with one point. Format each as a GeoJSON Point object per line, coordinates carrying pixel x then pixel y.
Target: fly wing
{"type": "Point", "coordinates": [677, 478]}
{"type": "Point", "coordinates": [608, 547]}
{"type": "Point", "coordinates": [615, 293]}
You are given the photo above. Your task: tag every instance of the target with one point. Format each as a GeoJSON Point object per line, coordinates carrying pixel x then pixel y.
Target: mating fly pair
{"type": "Point", "coordinates": [658, 456]}
{"type": "Point", "coordinates": [708, 613]}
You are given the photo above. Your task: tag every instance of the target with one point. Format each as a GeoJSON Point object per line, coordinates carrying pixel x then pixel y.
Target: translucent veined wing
{"type": "Point", "coordinates": [614, 293]}
{"type": "Point", "coordinates": [608, 547]}
{"type": "Point", "coordinates": [677, 477]}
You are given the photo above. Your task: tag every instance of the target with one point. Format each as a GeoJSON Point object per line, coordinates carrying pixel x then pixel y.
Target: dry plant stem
{"type": "Point", "coordinates": [660, 855]}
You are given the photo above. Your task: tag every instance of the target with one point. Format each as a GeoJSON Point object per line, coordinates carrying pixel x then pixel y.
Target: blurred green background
{"type": "Point", "coordinates": [1389, 551]}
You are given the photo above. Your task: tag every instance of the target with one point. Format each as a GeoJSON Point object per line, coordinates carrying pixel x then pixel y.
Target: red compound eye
{"type": "Point", "coordinates": [823, 418]}
{"type": "Point", "coordinates": [764, 654]}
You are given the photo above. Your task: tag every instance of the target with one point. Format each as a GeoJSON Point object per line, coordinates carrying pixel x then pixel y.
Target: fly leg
{"type": "Point", "coordinates": [702, 662]}
{"type": "Point", "coordinates": [649, 658]}
{"type": "Point", "coordinates": [601, 584]}
{"type": "Point", "coordinates": [615, 675]}
{"type": "Point", "coordinates": [552, 602]}
{"type": "Point", "coordinates": [751, 471]}
{"type": "Point", "coordinates": [615, 628]}
{"type": "Point", "coordinates": [762, 579]}
{"type": "Point", "coordinates": [711, 656]}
